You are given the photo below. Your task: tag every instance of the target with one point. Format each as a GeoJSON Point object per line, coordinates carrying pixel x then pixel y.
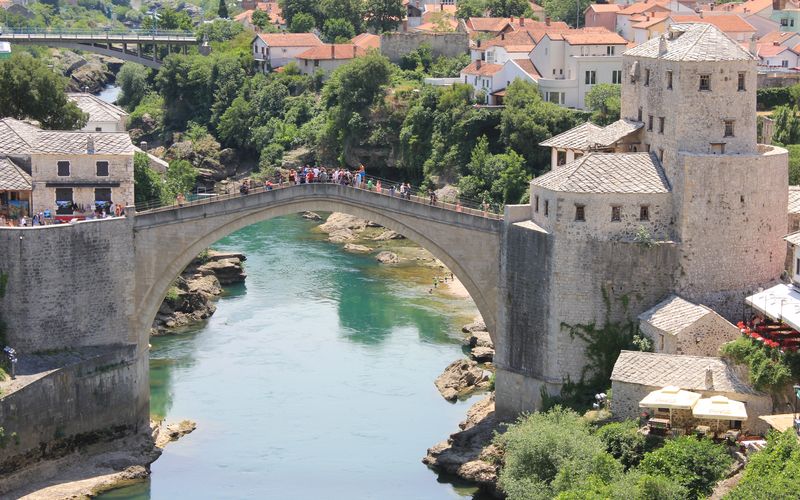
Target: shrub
{"type": "Point", "coordinates": [172, 294]}
{"type": "Point", "coordinates": [769, 369]}
{"type": "Point", "coordinates": [634, 485]}
{"type": "Point", "coordinates": [624, 442]}
{"type": "Point", "coordinates": [695, 464]}
{"type": "Point", "coordinates": [773, 472]}
{"type": "Point", "coordinates": [770, 97]}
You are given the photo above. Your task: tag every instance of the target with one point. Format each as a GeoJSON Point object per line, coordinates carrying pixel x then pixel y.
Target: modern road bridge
{"type": "Point", "coordinates": [125, 45]}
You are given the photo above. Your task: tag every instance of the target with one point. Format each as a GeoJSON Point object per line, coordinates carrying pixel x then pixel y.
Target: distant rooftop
{"type": "Point", "coordinates": [98, 109]}
{"type": "Point", "coordinates": [693, 42]}
{"type": "Point", "coordinates": [608, 173]}
{"type": "Point", "coordinates": [674, 314]}
{"type": "Point", "coordinates": [20, 138]}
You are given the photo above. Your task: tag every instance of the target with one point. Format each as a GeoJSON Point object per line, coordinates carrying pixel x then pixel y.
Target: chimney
{"type": "Point", "coordinates": [522, 21]}
{"type": "Point", "coordinates": [547, 21]}
{"type": "Point", "coordinates": [709, 378]}
{"type": "Point", "coordinates": [89, 144]}
{"type": "Point", "coordinates": [701, 14]}
{"type": "Point", "coordinates": [479, 43]}
{"type": "Point", "coordinates": [511, 19]}
{"type": "Point", "coordinates": [662, 46]}
{"type": "Point", "coordinates": [752, 46]}
{"type": "Point", "coordinates": [143, 145]}
{"type": "Point", "coordinates": [478, 64]}
{"type": "Point", "coordinates": [333, 51]}
{"type": "Point", "coordinates": [355, 51]}
{"type": "Point", "coordinates": [502, 36]}
{"type": "Point", "coordinates": [776, 43]}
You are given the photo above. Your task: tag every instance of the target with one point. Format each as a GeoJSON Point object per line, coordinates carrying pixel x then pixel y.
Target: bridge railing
{"type": "Point", "coordinates": [378, 186]}
{"type": "Point", "coordinates": [176, 35]}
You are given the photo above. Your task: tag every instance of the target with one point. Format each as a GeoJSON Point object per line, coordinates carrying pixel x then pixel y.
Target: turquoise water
{"type": "Point", "coordinates": [312, 381]}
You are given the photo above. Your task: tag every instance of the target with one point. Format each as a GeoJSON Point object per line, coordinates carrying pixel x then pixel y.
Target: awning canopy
{"type": "Point", "coordinates": [781, 303]}
{"type": "Point", "coordinates": [719, 408]}
{"type": "Point", "coordinates": [779, 422]}
{"type": "Point", "coordinates": [670, 397]}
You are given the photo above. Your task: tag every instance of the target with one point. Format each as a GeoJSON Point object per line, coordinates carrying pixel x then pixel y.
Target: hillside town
{"type": "Point", "coordinates": [615, 185]}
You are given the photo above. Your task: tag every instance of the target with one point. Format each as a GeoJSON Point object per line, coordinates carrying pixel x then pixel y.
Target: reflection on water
{"type": "Point", "coordinates": [316, 382]}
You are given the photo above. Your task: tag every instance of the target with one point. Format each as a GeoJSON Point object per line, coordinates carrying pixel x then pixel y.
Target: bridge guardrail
{"type": "Point", "coordinates": [461, 205]}
{"type": "Point", "coordinates": [166, 35]}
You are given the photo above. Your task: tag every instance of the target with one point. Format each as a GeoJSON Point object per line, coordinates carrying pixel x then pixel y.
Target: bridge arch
{"type": "Point", "coordinates": [166, 241]}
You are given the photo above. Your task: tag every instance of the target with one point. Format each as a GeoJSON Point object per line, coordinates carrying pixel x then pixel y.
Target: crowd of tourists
{"type": "Point", "coordinates": [76, 213]}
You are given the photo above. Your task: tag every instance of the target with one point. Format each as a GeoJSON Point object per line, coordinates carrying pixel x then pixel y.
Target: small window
{"type": "Point", "coordinates": [98, 129]}
{"type": "Point", "coordinates": [728, 128]}
{"type": "Point", "coordinates": [669, 80]}
{"type": "Point", "coordinates": [102, 168]}
{"type": "Point", "coordinates": [644, 212]}
{"type": "Point", "coordinates": [797, 267]}
{"type": "Point", "coordinates": [639, 116]}
{"type": "Point", "coordinates": [536, 203]}
{"type": "Point", "coordinates": [610, 50]}
{"type": "Point", "coordinates": [740, 86]}
{"type": "Point", "coordinates": [718, 148]}
{"type": "Point", "coordinates": [705, 82]}
{"type": "Point", "coordinates": [660, 154]}
{"type": "Point", "coordinates": [63, 169]}
{"type": "Point", "coordinates": [102, 196]}
{"type": "Point", "coordinates": [616, 76]}
{"type": "Point", "coordinates": [616, 214]}
{"type": "Point", "coordinates": [591, 77]}
{"type": "Point", "coordinates": [546, 208]}
{"type": "Point", "coordinates": [785, 63]}
{"type": "Point", "coordinates": [650, 122]}
{"type": "Point", "coordinates": [647, 148]}
{"type": "Point", "coordinates": [784, 22]}
{"type": "Point", "coordinates": [580, 213]}
{"type": "Point", "coordinates": [64, 201]}
{"type": "Point", "coordinates": [646, 77]}
{"type": "Point", "coordinates": [660, 341]}
{"type": "Point", "coordinates": [661, 120]}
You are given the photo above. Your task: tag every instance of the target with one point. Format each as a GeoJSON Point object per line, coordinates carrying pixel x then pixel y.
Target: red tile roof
{"type": "Point", "coordinates": [290, 39]}
{"type": "Point", "coordinates": [728, 23]}
{"type": "Point", "coordinates": [776, 36]}
{"type": "Point", "coordinates": [770, 50]}
{"type": "Point", "coordinates": [486, 69]}
{"type": "Point", "coordinates": [367, 41]}
{"type": "Point", "coordinates": [607, 38]}
{"type": "Point", "coordinates": [604, 7]}
{"type": "Point", "coordinates": [528, 67]}
{"type": "Point", "coordinates": [647, 6]}
{"type": "Point", "coordinates": [329, 52]}
{"type": "Point", "coordinates": [751, 6]}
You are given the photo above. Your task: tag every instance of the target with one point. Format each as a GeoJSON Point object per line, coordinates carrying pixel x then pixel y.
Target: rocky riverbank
{"type": "Point", "coordinates": [89, 472]}
{"type": "Point", "coordinates": [191, 298]}
{"type": "Point", "coordinates": [88, 72]}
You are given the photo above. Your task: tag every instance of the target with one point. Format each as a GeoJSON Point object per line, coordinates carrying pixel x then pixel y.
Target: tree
{"type": "Point", "coordinates": [32, 90]}
{"type": "Point", "coordinates": [695, 464]}
{"type": "Point", "coordinates": [290, 8]}
{"type": "Point", "coordinates": [604, 101]}
{"type": "Point", "coordinates": [147, 184]}
{"type": "Point", "coordinates": [260, 19]}
{"type": "Point", "coordinates": [384, 15]}
{"type": "Point", "coordinates": [181, 177]}
{"type": "Point", "coordinates": [497, 178]}
{"type": "Point", "coordinates": [566, 10]}
{"type": "Point", "coordinates": [336, 30]}
{"type": "Point", "coordinates": [787, 125]}
{"type": "Point", "coordinates": [222, 10]}
{"type": "Point", "coordinates": [470, 8]}
{"type": "Point", "coordinates": [352, 11]}
{"type": "Point", "coordinates": [132, 80]}
{"type": "Point", "coordinates": [773, 472]}
{"type": "Point", "coordinates": [508, 8]}
{"type": "Point", "coordinates": [302, 23]}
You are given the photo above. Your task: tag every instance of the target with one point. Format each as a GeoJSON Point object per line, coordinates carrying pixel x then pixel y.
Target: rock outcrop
{"type": "Point", "coordinates": [460, 378]}
{"type": "Point", "coordinates": [386, 257]}
{"type": "Point", "coordinates": [311, 216]}
{"type": "Point", "coordinates": [352, 247]}
{"type": "Point", "coordinates": [388, 235]}
{"type": "Point", "coordinates": [191, 299]}
{"type": "Point", "coordinates": [469, 453]}
{"type": "Point", "coordinates": [342, 228]}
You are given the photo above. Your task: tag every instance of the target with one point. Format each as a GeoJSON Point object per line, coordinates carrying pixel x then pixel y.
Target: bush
{"type": "Point", "coordinates": [769, 370]}
{"type": "Point", "coordinates": [632, 486]}
{"type": "Point", "coordinates": [624, 442]}
{"type": "Point", "coordinates": [773, 472]}
{"type": "Point", "coordinates": [545, 452]}
{"type": "Point", "coordinates": [770, 97]}
{"type": "Point", "coordinates": [172, 294]}
{"type": "Point", "coordinates": [695, 464]}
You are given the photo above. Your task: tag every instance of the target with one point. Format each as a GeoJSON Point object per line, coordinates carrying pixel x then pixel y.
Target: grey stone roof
{"type": "Point", "coordinates": [794, 199]}
{"type": "Point", "coordinates": [793, 238]}
{"type": "Point", "coordinates": [613, 132]}
{"type": "Point", "coordinates": [574, 138]}
{"type": "Point", "coordinates": [98, 109]}
{"type": "Point", "coordinates": [693, 42]}
{"type": "Point", "coordinates": [20, 138]}
{"type": "Point", "coordinates": [608, 173]}
{"type": "Point", "coordinates": [686, 372]}
{"type": "Point", "coordinates": [674, 314]}
{"type": "Point", "coordinates": [12, 177]}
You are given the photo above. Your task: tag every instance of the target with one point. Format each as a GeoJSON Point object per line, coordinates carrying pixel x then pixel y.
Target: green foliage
{"type": "Point", "coordinates": [172, 294]}
{"type": "Point", "coordinates": [291, 8]}
{"type": "Point", "coordinates": [221, 30]}
{"type": "Point", "coordinates": [384, 15]}
{"type": "Point", "coordinates": [133, 82]}
{"type": "Point", "coordinates": [695, 464]}
{"type": "Point", "coordinates": [794, 163]}
{"type": "Point", "coordinates": [773, 472]}
{"type": "Point", "coordinates": [769, 368]}
{"type": "Point", "coordinates": [148, 185]}
{"type": "Point", "coordinates": [181, 177]}
{"type": "Point", "coordinates": [302, 23]}
{"type": "Point", "coordinates": [351, 11]}
{"type": "Point", "coordinates": [624, 442]}
{"type": "Point", "coordinates": [261, 19]}
{"type": "Point", "coordinates": [148, 116]}
{"type": "Point", "coordinates": [421, 58]}
{"type": "Point", "coordinates": [168, 19]}
{"type": "Point", "coordinates": [771, 97]}
{"type": "Point", "coordinates": [566, 10]}
{"type": "Point", "coordinates": [271, 155]}
{"type": "Point", "coordinates": [448, 67]}
{"type": "Point", "coordinates": [32, 90]}
{"type": "Point", "coordinates": [508, 8]}
{"type": "Point", "coordinates": [787, 125]}
{"type": "Point", "coordinates": [545, 453]}
{"type": "Point", "coordinates": [500, 178]}
{"type": "Point", "coordinates": [470, 8]}
{"type": "Point", "coordinates": [604, 102]}
{"type": "Point", "coordinates": [336, 30]}
{"type": "Point", "coordinates": [222, 10]}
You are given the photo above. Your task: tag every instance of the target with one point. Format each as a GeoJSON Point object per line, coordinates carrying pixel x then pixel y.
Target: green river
{"type": "Point", "coordinates": [314, 380]}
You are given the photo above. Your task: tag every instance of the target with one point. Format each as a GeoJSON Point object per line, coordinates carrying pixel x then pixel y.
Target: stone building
{"type": "Point", "coordinates": [677, 326]}
{"type": "Point", "coordinates": [636, 374]}
{"type": "Point", "coordinates": [103, 116]}
{"type": "Point", "coordinates": [681, 200]}
{"type": "Point", "coordinates": [70, 169]}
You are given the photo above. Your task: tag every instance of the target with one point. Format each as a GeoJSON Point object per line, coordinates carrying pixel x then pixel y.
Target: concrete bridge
{"type": "Point", "coordinates": [125, 45]}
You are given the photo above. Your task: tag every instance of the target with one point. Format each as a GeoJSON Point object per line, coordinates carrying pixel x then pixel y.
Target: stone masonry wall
{"type": "Point", "coordinates": [702, 338]}
{"type": "Point", "coordinates": [396, 45]}
{"type": "Point", "coordinates": [61, 290]}
{"type": "Point", "coordinates": [95, 399]}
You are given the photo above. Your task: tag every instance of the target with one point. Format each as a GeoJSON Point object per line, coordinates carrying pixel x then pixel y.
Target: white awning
{"type": "Point", "coordinates": [780, 303]}
{"type": "Point", "coordinates": [670, 397]}
{"type": "Point", "coordinates": [719, 408]}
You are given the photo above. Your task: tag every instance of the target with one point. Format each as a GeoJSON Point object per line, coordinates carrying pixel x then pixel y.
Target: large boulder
{"type": "Point", "coordinates": [388, 235]}
{"type": "Point", "coordinates": [352, 247]}
{"type": "Point", "coordinates": [482, 354]}
{"type": "Point", "coordinates": [461, 377]}
{"type": "Point", "coordinates": [479, 338]}
{"type": "Point", "coordinates": [387, 258]}
{"type": "Point", "coordinates": [342, 228]}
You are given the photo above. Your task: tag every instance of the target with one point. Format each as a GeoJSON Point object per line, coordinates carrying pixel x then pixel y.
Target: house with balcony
{"type": "Point", "coordinates": [273, 50]}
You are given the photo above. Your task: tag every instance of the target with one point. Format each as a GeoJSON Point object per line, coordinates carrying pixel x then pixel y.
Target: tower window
{"type": "Point", "coordinates": [669, 79]}
{"type": "Point", "coordinates": [616, 214]}
{"type": "Point", "coordinates": [705, 82]}
{"type": "Point", "coordinates": [546, 208]}
{"type": "Point", "coordinates": [646, 77]}
{"type": "Point", "coordinates": [580, 213]}
{"type": "Point", "coordinates": [661, 120]}
{"type": "Point", "coordinates": [639, 115]}
{"type": "Point", "coordinates": [660, 154]}
{"type": "Point", "coordinates": [728, 128]}
{"type": "Point", "coordinates": [740, 87]}
{"type": "Point", "coordinates": [644, 212]}
{"type": "Point", "coordinates": [650, 123]}
{"type": "Point", "coordinates": [536, 204]}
